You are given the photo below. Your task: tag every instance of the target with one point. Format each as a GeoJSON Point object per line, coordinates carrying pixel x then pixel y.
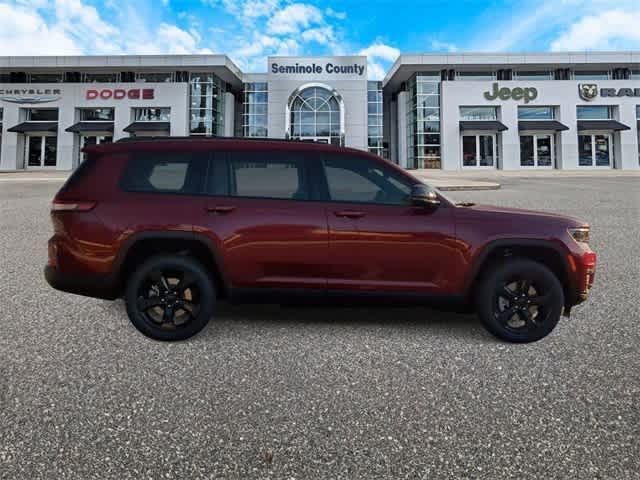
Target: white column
{"type": "Point", "coordinates": [568, 150]}
{"type": "Point", "coordinates": [510, 153]}
{"type": "Point", "coordinates": [65, 154]}
{"type": "Point", "coordinates": [626, 154]}
{"type": "Point", "coordinates": [402, 129]}
{"type": "Point", "coordinates": [229, 114]}
{"type": "Point", "coordinates": [9, 150]}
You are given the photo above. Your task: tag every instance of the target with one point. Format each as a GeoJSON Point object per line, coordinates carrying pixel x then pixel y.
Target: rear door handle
{"type": "Point", "coordinates": [221, 209]}
{"type": "Point", "coordinates": [349, 213]}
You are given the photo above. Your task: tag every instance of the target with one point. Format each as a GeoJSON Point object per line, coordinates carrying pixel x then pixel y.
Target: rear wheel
{"type": "Point", "coordinates": [520, 300]}
{"type": "Point", "coordinates": [170, 297]}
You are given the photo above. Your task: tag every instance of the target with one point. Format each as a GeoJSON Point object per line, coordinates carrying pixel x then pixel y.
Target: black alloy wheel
{"type": "Point", "coordinates": [170, 297]}
{"type": "Point", "coordinates": [520, 300]}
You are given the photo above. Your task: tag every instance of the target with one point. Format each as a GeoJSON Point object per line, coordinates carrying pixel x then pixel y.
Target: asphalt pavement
{"type": "Point", "coordinates": [305, 393]}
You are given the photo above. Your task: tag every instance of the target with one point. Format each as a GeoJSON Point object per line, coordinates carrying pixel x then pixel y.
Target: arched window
{"type": "Point", "coordinates": [315, 113]}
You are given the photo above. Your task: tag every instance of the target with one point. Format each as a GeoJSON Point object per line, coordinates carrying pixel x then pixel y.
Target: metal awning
{"type": "Point", "coordinates": [611, 125]}
{"type": "Point", "coordinates": [147, 127]}
{"type": "Point", "coordinates": [26, 127]}
{"type": "Point", "coordinates": [91, 127]}
{"type": "Point", "coordinates": [542, 125]}
{"type": "Point", "coordinates": [487, 125]}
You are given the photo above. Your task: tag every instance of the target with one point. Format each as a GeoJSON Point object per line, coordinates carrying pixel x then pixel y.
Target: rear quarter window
{"type": "Point", "coordinates": [165, 173]}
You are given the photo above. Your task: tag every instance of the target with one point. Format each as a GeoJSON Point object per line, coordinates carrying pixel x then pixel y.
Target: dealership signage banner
{"type": "Point", "coordinates": [318, 69]}
{"type": "Point", "coordinates": [30, 95]}
{"type": "Point", "coordinates": [120, 94]}
{"type": "Point", "coordinates": [589, 91]}
{"type": "Point", "coordinates": [516, 93]}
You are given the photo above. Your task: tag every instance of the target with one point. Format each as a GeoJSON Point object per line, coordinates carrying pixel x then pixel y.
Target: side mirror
{"type": "Point", "coordinates": [423, 196]}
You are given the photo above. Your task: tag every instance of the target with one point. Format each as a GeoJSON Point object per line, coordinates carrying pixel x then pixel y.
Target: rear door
{"type": "Point", "coordinates": [269, 231]}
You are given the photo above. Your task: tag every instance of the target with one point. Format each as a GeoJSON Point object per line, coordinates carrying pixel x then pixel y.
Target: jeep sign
{"type": "Point", "coordinates": [517, 93]}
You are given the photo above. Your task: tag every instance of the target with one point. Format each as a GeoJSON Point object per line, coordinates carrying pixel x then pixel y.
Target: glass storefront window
{"type": "Point", "coordinates": [423, 120]}
{"type": "Point", "coordinates": [206, 104]}
{"type": "Point", "coordinates": [594, 150]}
{"type": "Point", "coordinates": [375, 119]}
{"type": "Point", "coordinates": [155, 77]}
{"type": "Point", "coordinates": [534, 75]}
{"type": "Point", "coordinates": [536, 150]}
{"type": "Point", "coordinates": [479, 150]}
{"type": "Point", "coordinates": [101, 77]}
{"type": "Point", "coordinates": [475, 75]}
{"type": "Point", "coordinates": [591, 75]}
{"type": "Point", "coordinates": [536, 113]}
{"type": "Point", "coordinates": [478, 113]}
{"type": "Point", "coordinates": [315, 115]}
{"type": "Point", "coordinates": [594, 112]}
{"type": "Point", "coordinates": [97, 114]}
{"type": "Point", "coordinates": [527, 155]}
{"type": "Point", "coordinates": [255, 109]}
{"type": "Point", "coordinates": [152, 114]}
{"type": "Point", "coordinates": [42, 115]}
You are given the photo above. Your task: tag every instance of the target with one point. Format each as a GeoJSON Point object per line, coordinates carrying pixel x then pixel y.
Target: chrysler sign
{"type": "Point", "coordinates": [30, 95]}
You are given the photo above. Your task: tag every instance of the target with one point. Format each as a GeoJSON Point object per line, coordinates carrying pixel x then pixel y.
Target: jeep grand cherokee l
{"type": "Point", "coordinates": [173, 225]}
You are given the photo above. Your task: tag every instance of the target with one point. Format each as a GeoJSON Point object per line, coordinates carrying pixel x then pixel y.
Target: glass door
{"type": "Point", "coordinates": [479, 150]}
{"type": "Point", "coordinates": [41, 151]}
{"type": "Point", "coordinates": [537, 150]}
{"type": "Point", "coordinates": [595, 150]}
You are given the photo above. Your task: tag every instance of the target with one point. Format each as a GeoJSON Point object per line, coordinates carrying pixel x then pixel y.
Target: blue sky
{"type": "Point", "coordinates": [250, 30]}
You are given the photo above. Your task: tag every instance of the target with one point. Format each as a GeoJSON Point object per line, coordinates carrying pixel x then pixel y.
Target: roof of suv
{"type": "Point", "coordinates": [155, 144]}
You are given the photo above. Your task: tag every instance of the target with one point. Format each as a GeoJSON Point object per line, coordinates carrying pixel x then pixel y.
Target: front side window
{"type": "Point", "coordinates": [168, 173]}
{"type": "Point", "coordinates": [152, 114]}
{"type": "Point", "coordinates": [594, 112]}
{"type": "Point", "coordinates": [358, 180]}
{"type": "Point", "coordinates": [478, 113]}
{"type": "Point", "coordinates": [267, 175]}
{"type": "Point", "coordinates": [536, 113]}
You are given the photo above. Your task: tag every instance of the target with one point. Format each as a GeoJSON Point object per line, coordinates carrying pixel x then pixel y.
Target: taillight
{"type": "Point", "coordinates": [71, 206]}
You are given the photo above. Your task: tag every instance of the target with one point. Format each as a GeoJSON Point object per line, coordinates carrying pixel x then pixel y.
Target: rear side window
{"type": "Point", "coordinates": [278, 175]}
{"type": "Point", "coordinates": [166, 173]}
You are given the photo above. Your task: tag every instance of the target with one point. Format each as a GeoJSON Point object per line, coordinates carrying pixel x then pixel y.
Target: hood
{"type": "Point", "coordinates": [495, 212]}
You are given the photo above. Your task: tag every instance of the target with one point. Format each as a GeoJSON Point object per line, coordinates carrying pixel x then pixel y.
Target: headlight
{"type": "Point", "coordinates": [580, 234]}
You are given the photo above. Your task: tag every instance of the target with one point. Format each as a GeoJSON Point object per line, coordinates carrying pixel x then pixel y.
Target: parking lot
{"type": "Point", "coordinates": [284, 392]}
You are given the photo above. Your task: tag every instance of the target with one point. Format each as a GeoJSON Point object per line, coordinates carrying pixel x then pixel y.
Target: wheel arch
{"type": "Point", "coordinates": [550, 254]}
{"type": "Point", "coordinates": [140, 246]}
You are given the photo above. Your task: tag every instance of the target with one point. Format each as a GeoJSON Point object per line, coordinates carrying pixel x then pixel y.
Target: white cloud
{"type": "Point", "coordinates": [613, 29]}
{"type": "Point", "coordinates": [379, 57]}
{"type": "Point", "coordinates": [439, 46]}
{"type": "Point", "coordinates": [332, 13]}
{"type": "Point", "coordinates": [293, 18]}
{"type": "Point", "coordinates": [321, 35]}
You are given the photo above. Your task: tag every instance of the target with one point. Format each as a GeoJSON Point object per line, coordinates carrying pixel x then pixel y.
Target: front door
{"type": "Point", "coordinates": [537, 150]}
{"type": "Point", "coordinates": [377, 240]}
{"type": "Point", "coordinates": [595, 150]}
{"type": "Point", "coordinates": [41, 151]}
{"type": "Point", "coordinates": [479, 150]}
{"type": "Point", "coordinates": [269, 232]}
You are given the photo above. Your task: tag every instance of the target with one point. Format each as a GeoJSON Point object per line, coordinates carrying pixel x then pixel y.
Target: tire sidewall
{"type": "Point", "coordinates": [504, 271]}
{"type": "Point", "coordinates": [179, 262]}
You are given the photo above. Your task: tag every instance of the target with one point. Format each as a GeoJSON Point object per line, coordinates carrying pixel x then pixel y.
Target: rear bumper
{"type": "Point", "coordinates": [88, 286]}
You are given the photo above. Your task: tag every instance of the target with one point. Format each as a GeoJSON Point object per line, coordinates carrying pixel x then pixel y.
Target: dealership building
{"type": "Point", "coordinates": [443, 111]}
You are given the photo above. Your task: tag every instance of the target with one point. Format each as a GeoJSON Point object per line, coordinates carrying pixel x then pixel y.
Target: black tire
{"type": "Point", "coordinates": [170, 297]}
{"type": "Point", "coordinates": [520, 300]}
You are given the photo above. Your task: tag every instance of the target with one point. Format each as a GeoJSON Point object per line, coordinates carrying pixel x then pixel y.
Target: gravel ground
{"type": "Point", "coordinates": [271, 392]}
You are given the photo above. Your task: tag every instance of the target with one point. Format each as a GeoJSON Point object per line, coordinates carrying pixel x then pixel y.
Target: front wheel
{"type": "Point", "coordinates": [170, 297]}
{"type": "Point", "coordinates": [520, 300]}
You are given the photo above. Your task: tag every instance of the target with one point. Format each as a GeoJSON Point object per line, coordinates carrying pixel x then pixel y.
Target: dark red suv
{"type": "Point", "coordinates": [174, 225]}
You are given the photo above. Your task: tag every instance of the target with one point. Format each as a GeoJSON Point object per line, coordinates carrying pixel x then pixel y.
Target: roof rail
{"type": "Point", "coordinates": [214, 137]}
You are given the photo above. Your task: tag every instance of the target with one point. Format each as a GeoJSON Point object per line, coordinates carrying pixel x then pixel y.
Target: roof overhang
{"type": "Point", "coordinates": [542, 125]}
{"type": "Point", "coordinates": [610, 125]}
{"type": "Point", "coordinates": [28, 127]}
{"type": "Point", "coordinates": [91, 127]}
{"type": "Point", "coordinates": [147, 127]}
{"type": "Point", "coordinates": [483, 125]}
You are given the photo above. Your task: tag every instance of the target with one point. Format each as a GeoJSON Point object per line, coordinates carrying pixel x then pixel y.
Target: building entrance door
{"type": "Point", "coordinates": [41, 151]}
{"type": "Point", "coordinates": [479, 150]}
{"type": "Point", "coordinates": [595, 150]}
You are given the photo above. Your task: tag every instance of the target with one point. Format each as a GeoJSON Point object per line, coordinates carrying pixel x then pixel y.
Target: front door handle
{"type": "Point", "coordinates": [221, 209]}
{"type": "Point", "coordinates": [349, 213]}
